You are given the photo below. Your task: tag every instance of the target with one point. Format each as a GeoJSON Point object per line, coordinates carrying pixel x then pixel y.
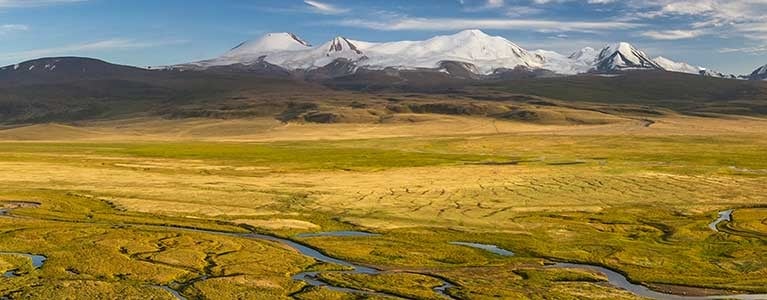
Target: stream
{"type": "Point", "coordinates": [489, 248]}
{"type": "Point", "coordinates": [723, 216]}
{"type": "Point", "coordinates": [37, 262]}
{"type": "Point", "coordinates": [311, 277]}
{"type": "Point", "coordinates": [171, 291]}
{"type": "Point", "coordinates": [619, 280]}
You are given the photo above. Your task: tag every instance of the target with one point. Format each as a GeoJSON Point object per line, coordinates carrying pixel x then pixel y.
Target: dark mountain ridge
{"type": "Point", "coordinates": [65, 89]}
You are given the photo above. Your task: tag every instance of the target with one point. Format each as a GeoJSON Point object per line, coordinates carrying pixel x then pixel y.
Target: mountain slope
{"type": "Point", "coordinates": [585, 56]}
{"type": "Point", "coordinates": [251, 52]}
{"type": "Point", "coordinates": [715, 74]}
{"type": "Point", "coordinates": [624, 56]}
{"type": "Point", "coordinates": [66, 89]}
{"type": "Point", "coordinates": [685, 93]}
{"type": "Point", "coordinates": [323, 55]}
{"type": "Point", "coordinates": [64, 69]}
{"type": "Point", "coordinates": [759, 74]}
{"type": "Point", "coordinates": [74, 89]}
{"type": "Point", "coordinates": [673, 66]}
{"type": "Point", "coordinates": [568, 65]}
{"type": "Point", "coordinates": [272, 42]}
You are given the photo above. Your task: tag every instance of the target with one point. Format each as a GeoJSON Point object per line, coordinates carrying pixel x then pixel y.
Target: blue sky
{"type": "Point", "coordinates": [725, 35]}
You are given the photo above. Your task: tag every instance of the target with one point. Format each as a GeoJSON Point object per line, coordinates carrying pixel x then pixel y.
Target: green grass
{"type": "Point", "coordinates": [289, 156]}
{"type": "Point", "coordinates": [408, 285]}
{"type": "Point", "coordinates": [638, 204]}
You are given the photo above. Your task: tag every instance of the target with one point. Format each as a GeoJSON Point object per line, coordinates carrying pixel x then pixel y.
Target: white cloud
{"type": "Point", "coordinates": [485, 5]}
{"type": "Point", "coordinates": [31, 3]}
{"type": "Point", "coordinates": [78, 49]}
{"type": "Point", "coordinates": [752, 30]}
{"type": "Point", "coordinates": [563, 1]}
{"type": "Point", "coordinates": [518, 11]}
{"type": "Point", "coordinates": [688, 7]}
{"type": "Point", "coordinates": [445, 24]}
{"type": "Point", "coordinates": [673, 34]}
{"type": "Point", "coordinates": [11, 28]}
{"type": "Point", "coordinates": [750, 50]}
{"type": "Point", "coordinates": [707, 9]}
{"type": "Point", "coordinates": [325, 8]}
{"type": "Point", "coordinates": [724, 18]}
{"type": "Point", "coordinates": [494, 3]}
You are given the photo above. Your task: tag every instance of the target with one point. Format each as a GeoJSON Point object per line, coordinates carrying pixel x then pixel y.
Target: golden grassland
{"type": "Point", "coordinates": [633, 198]}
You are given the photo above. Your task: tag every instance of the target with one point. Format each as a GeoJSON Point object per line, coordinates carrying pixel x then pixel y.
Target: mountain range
{"type": "Point", "coordinates": [281, 74]}
{"type": "Point", "coordinates": [471, 53]}
{"type": "Point", "coordinates": [71, 89]}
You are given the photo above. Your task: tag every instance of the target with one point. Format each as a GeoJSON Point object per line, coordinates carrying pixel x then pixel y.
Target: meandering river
{"type": "Point", "coordinates": [37, 262]}
{"type": "Point", "coordinates": [489, 248]}
{"type": "Point", "coordinates": [723, 216]}
{"type": "Point", "coordinates": [312, 278]}
{"type": "Point", "coordinates": [616, 279]}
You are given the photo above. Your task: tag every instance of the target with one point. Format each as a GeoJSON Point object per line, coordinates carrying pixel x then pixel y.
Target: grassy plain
{"type": "Point", "coordinates": [633, 198]}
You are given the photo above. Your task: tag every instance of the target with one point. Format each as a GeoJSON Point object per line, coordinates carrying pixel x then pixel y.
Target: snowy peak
{"type": "Point", "coordinates": [472, 32]}
{"type": "Point", "coordinates": [471, 35]}
{"type": "Point", "coordinates": [299, 40]}
{"type": "Point", "coordinates": [624, 56]}
{"type": "Point", "coordinates": [586, 55]}
{"type": "Point", "coordinates": [339, 48]}
{"type": "Point", "coordinates": [682, 67]}
{"type": "Point", "coordinates": [759, 74]}
{"type": "Point", "coordinates": [269, 43]}
{"type": "Point", "coordinates": [673, 66]}
{"type": "Point", "coordinates": [561, 64]}
{"type": "Point", "coordinates": [477, 45]}
{"type": "Point", "coordinates": [487, 53]}
{"type": "Point", "coordinates": [472, 51]}
{"type": "Point", "coordinates": [342, 44]}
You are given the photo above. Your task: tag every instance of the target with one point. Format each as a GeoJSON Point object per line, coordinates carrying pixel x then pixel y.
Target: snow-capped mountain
{"type": "Point", "coordinates": [716, 74]}
{"type": "Point", "coordinates": [271, 42]}
{"type": "Point", "coordinates": [624, 56]}
{"type": "Point", "coordinates": [759, 74]}
{"type": "Point", "coordinates": [561, 64]}
{"type": "Point", "coordinates": [682, 67]}
{"type": "Point", "coordinates": [467, 52]}
{"type": "Point", "coordinates": [673, 66]}
{"type": "Point", "coordinates": [317, 57]}
{"type": "Point", "coordinates": [486, 53]}
{"type": "Point", "coordinates": [581, 61]}
{"type": "Point", "coordinates": [251, 52]}
{"type": "Point", "coordinates": [585, 56]}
